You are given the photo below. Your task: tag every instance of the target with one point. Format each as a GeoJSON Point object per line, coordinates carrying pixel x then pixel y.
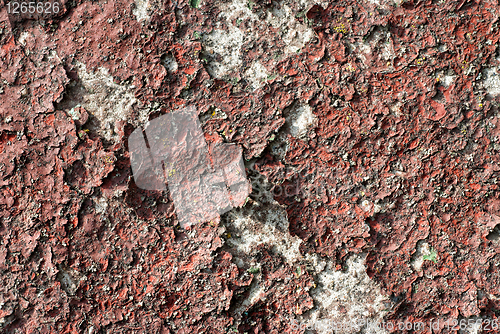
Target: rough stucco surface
{"type": "Point", "coordinates": [383, 115]}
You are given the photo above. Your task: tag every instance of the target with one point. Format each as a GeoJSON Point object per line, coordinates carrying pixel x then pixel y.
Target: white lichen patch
{"type": "Point", "coordinates": [22, 38]}
{"type": "Point", "coordinates": [257, 74]}
{"type": "Point", "coordinates": [388, 51]}
{"type": "Point", "coordinates": [366, 205]}
{"type": "Point", "coordinates": [169, 62]}
{"type": "Point", "coordinates": [228, 45]}
{"type": "Point", "coordinates": [107, 101]}
{"type": "Point", "coordinates": [396, 108]}
{"type": "Point", "coordinates": [447, 80]}
{"type": "Point", "coordinates": [69, 279]}
{"type": "Point", "coordinates": [247, 231]}
{"type": "Point", "coordinates": [385, 3]}
{"type": "Point", "coordinates": [296, 34]}
{"type": "Point", "coordinates": [345, 298]}
{"type": "Point", "coordinates": [361, 50]}
{"type": "Point", "coordinates": [299, 119]}
{"type": "Point", "coordinates": [307, 4]}
{"type": "Point", "coordinates": [222, 49]}
{"type": "Point", "coordinates": [422, 250]}
{"type": "Point", "coordinates": [237, 9]}
{"type": "Point", "coordinates": [377, 46]}
{"type": "Point", "coordinates": [251, 232]}
{"type": "Point", "coordinates": [492, 81]}
{"type": "Point", "coordinates": [101, 205]}
{"type": "Point", "coordinates": [342, 297]}
{"type": "Point", "coordinates": [141, 10]}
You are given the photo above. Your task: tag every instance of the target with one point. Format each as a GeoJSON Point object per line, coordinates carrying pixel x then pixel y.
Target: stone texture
{"type": "Point", "coordinates": [404, 153]}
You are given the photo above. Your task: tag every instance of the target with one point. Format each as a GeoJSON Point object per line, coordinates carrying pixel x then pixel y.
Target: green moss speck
{"type": "Point", "coordinates": [432, 256]}
{"type": "Point", "coordinates": [195, 3]}
{"type": "Point", "coordinates": [253, 270]}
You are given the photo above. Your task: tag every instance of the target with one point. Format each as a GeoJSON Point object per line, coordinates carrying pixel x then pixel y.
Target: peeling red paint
{"type": "Point", "coordinates": [389, 133]}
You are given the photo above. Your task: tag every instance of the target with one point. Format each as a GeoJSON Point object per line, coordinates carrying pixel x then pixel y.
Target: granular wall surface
{"type": "Point", "coordinates": [370, 135]}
